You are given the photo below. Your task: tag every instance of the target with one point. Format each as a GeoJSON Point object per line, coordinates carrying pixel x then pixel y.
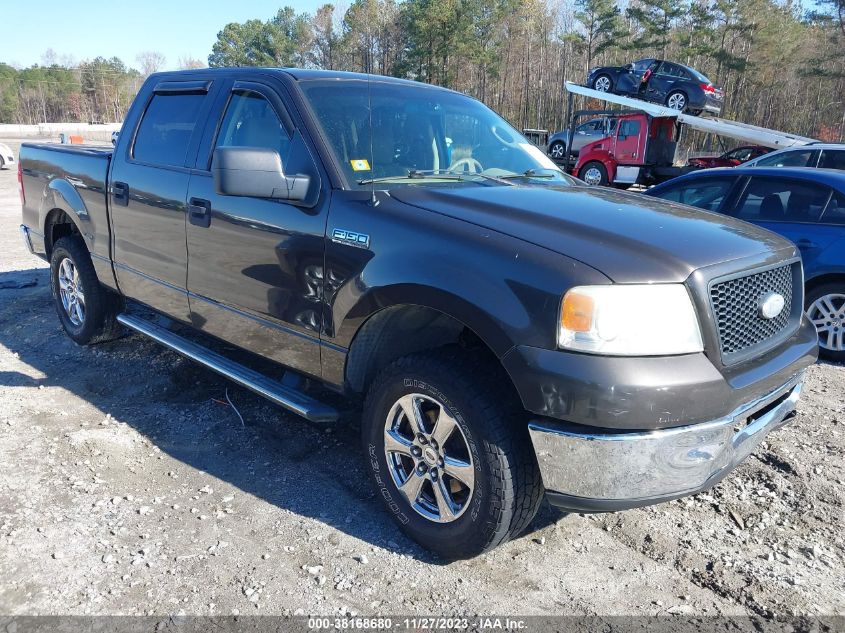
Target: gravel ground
{"type": "Point", "coordinates": [127, 487]}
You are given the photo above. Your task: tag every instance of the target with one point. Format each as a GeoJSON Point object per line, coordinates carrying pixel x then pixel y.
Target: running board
{"type": "Point", "coordinates": [273, 390]}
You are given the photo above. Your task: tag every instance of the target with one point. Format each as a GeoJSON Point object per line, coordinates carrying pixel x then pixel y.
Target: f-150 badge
{"type": "Point", "coordinates": [353, 238]}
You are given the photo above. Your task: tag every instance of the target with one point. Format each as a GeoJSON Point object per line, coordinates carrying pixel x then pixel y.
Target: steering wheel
{"type": "Point", "coordinates": [467, 165]}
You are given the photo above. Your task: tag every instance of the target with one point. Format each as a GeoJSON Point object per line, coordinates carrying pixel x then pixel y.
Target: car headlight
{"type": "Point", "coordinates": [629, 320]}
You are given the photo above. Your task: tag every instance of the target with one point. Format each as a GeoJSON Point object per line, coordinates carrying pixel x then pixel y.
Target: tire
{"type": "Point", "coordinates": [677, 100]}
{"type": "Point", "coordinates": [489, 443]}
{"type": "Point", "coordinates": [603, 83]}
{"type": "Point", "coordinates": [2, 163]}
{"type": "Point", "coordinates": [86, 309]}
{"type": "Point", "coordinates": [557, 150]}
{"type": "Point", "coordinates": [594, 173]}
{"type": "Point", "coordinates": [826, 310]}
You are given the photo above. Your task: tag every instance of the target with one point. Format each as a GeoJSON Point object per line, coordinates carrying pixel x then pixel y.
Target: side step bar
{"type": "Point", "coordinates": [273, 390]}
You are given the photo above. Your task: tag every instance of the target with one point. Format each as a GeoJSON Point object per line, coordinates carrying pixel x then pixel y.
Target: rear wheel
{"type": "Point", "coordinates": [594, 173]}
{"type": "Point", "coordinates": [676, 100]}
{"type": "Point", "coordinates": [86, 310]}
{"type": "Point", "coordinates": [557, 150]}
{"type": "Point", "coordinates": [449, 453]}
{"type": "Point", "coordinates": [603, 83]}
{"type": "Point", "coordinates": [826, 311]}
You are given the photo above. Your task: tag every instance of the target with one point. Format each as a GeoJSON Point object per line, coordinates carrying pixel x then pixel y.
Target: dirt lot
{"type": "Point", "coordinates": [127, 488]}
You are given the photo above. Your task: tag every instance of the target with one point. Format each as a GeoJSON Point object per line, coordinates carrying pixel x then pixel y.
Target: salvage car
{"type": "Point", "coordinates": [585, 133]}
{"type": "Point", "coordinates": [506, 332]}
{"type": "Point", "coordinates": [674, 85]}
{"type": "Point", "coordinates": [805, 205]}
{"type": "Point", "coordinates": [732, 158]}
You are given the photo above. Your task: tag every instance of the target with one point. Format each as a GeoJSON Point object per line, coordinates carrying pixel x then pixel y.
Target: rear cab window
{"type": "Point", "coordinates": [167, 127]}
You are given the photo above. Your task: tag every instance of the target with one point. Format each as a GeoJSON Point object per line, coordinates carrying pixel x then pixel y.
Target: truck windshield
{"type": "Point", "coordinates": [405, 135]}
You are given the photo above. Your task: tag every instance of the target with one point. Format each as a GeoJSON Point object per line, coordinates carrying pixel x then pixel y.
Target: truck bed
{"type": "Point", "coordinates": [69, 179]}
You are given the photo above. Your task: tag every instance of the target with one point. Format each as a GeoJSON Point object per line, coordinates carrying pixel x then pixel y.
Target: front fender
{"type": "Point", "coordinates": [504, 289]}
{"type": "Point", "coordinates": [600, 155]}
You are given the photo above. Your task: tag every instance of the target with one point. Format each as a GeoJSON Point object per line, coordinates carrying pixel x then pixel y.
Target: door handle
{"type": "Point", "coordinates": [120, 193]}
{"type": "Point", "coordinates": [199, 212]}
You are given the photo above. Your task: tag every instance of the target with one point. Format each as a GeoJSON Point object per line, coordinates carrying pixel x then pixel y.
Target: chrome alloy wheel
{"type": "Point", "coordinates": [429, 458]}
{"type": "Point", "coordinates": [592, 176]}
{"type": "Point", "coordinates": [827, 313]}
{"type": "Point", "coordinates": [677, 101]}
{"type": "Point", "coordinates": [602, 84]}
{"type": "Point", "coordinates": [71, 291]}
{"type": "Point", "coordinates": [558, 150]}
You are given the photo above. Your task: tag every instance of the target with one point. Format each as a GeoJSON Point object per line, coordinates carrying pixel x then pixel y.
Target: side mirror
{"type": "Point", "coordinates": [255, 172]}
{"type": "Point", "coordinates": [629, 67]}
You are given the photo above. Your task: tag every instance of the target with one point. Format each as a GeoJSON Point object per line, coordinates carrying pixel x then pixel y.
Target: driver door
{"type": "Point", "coordinates": [255, 265]}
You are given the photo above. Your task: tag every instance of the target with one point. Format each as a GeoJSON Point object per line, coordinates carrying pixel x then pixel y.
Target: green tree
{"type": "Point", "coordinates": [602, 24]}
{"type": "Point", "coordinates": [654, 19]}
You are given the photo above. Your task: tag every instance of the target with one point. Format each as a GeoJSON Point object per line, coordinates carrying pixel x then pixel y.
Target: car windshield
{"type": "Point", "coordinates": [408, 135]}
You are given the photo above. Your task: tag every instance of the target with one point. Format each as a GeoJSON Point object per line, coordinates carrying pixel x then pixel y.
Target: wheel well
{"type": "Point", "coordinates": [401, 330]}
{"type": "Point", "coordinates": [825, 279]}
{"type": "Point", "coordinates": [57, 226]}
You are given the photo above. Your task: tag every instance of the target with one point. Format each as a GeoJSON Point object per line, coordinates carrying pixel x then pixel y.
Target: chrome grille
{"type": "Point", "coordinates": [736, 308]}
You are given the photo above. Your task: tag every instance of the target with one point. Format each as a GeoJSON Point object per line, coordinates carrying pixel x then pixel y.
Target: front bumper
{"type": "Point", "coordinates": [587, 470]}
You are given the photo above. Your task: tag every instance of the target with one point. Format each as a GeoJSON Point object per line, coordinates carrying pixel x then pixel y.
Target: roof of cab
{"type": "Point", "coordinates": [301, 74]}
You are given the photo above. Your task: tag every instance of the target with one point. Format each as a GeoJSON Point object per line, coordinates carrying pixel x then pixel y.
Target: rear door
{"type": "Point", "coordinates": [147, 194]}
{"type": "Point", "coordinates": [255, 266]}
{"type": "Point", "coordinates": [792, 208]}
{"type": "Point", "coordinates": [662, 81]}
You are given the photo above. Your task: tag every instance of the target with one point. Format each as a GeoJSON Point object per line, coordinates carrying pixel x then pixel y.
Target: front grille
{"type": "Point", "coordinates": [736, 309]}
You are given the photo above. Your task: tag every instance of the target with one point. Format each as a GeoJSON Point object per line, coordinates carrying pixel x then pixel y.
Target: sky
{"type": "Point", "coordinates": [85, 29]}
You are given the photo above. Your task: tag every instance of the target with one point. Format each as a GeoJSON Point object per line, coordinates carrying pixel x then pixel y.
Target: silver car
{"type": "Point", "coordinates": [823, 155]}
{"type": "Point", "coordinates": [592, 130]}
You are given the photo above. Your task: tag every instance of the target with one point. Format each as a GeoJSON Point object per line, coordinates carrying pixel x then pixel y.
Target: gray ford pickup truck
{"type": "Point", "coordinates": [506, 331]}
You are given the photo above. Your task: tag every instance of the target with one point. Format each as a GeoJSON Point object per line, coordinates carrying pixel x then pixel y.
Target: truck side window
{"type": "Point", "coordinates": [798, 158]}
{"type": "Point", "coordinates": [629, 128]}
{"type": "Point", "coordinates": [707, 194]}
{"type": "Point", "coordinates": [776, 200]}
{"type": "Point", "coordinates": [166, 129]}
{"type": "Point", "coordinates": [250, 121]}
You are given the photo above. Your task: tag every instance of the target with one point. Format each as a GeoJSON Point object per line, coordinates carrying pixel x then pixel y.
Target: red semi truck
{"type": "Point", "coordinates": [641, 148]}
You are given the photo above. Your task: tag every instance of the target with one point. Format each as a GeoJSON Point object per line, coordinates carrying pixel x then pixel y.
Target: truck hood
{"type": "Point", "coordinates": [627, 236]}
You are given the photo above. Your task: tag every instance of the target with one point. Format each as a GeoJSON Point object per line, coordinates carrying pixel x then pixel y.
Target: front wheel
{"type": "Point", "coordinates": [594, 173]}
{"type": "Point", "coordinates": [449, 454]}
{"type": "Point", "coordinates": [557, 150]}
{"type": "Point", "coordinates": [86, 310]}
{"type": "Point", "coordinates": [826, 311]}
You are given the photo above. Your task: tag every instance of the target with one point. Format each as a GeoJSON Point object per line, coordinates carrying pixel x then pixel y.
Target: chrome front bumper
{"type": "Point", "coordinates": [606, 471]}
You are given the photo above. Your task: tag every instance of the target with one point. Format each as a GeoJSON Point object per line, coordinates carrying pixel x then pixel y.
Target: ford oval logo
{"type": "Point", "coordinates": [771, 305]}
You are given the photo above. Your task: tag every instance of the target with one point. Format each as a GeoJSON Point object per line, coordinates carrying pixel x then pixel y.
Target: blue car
{"type": "Point", "coordinates": [805, 205]}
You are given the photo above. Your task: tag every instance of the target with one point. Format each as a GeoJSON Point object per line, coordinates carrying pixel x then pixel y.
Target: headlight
{"type": "Point", "coordinates": [629, 320]}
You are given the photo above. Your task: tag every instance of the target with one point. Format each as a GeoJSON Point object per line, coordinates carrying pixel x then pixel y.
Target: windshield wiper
{"type": "Point", "coordinates": [528, 173]}
{"type": "Point", "coordinates": [416, 174]}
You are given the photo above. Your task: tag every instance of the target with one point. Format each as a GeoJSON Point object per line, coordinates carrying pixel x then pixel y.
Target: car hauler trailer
{"type": "Point", "coordinates": [641, 148]}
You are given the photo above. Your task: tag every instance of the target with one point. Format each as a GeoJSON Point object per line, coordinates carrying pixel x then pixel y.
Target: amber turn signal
{"type": "Point", "coordinates": [576, 313]}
